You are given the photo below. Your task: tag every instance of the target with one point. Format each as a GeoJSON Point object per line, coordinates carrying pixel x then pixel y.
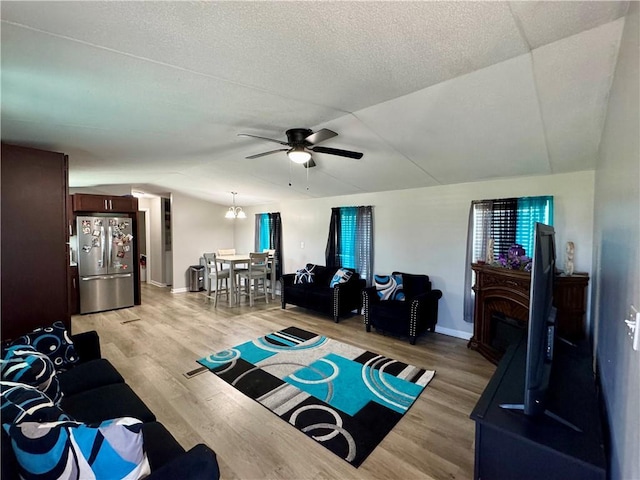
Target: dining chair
{"type": "Point", "coordinates": [257, 271]}
{"type": "Point", "coordinates": [271, 264]}
{"type": "Point", "coordinates": [217, 275]}
{"type": "Point", "coordinates": [237, 268]}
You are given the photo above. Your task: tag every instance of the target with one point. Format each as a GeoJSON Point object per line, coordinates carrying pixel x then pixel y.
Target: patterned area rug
{"type": "Point", "coordinates": [344, 397]}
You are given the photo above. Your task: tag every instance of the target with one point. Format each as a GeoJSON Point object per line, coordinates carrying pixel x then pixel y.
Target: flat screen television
{"type": "Point", "coordinates": [542, 320]}
{"type": "Point", "coordinates": [541, 330]}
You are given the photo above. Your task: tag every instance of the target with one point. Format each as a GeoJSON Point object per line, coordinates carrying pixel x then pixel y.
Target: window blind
{"type": "Point", "coordinates": [503, 224]}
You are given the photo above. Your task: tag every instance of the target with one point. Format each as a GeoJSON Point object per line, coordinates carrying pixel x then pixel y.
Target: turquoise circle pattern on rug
{"type": "Point", "coordinates": [344, 397]}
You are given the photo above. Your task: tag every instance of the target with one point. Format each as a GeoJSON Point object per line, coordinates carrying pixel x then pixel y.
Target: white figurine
{"type": "Point", "coordinates": [490, 258]}
{"type": "Point", "coordinates": [568, 263]}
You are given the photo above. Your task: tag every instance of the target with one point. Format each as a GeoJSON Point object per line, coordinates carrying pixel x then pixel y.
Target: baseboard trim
{"type": "Point", "coordinates": [454, 333]}
{"type": "Point", "coordinates": [179, 290]}
{"type": "Point", "coordinates": [157, 284]}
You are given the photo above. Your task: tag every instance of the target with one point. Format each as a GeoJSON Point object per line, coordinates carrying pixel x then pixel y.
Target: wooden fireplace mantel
{"type": "Point", "coordinates": [506, 292]}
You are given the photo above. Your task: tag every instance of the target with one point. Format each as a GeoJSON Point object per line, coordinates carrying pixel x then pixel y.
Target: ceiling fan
{"type": "Point", "coordinates": [301, 142]}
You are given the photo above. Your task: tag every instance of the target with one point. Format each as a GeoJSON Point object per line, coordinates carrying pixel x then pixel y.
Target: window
{"type": "Point", "coordinates": [350, 242]}
{"type": "Point", "coordinates": [268, 236]}
{"type": "Point", "coordinates": [506, 221]}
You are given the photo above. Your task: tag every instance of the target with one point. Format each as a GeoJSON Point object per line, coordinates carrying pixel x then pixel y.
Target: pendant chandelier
{"type": "Point", "coordinates": [235, 212]}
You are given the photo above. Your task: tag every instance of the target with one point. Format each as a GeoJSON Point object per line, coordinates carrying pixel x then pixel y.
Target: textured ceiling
{"type": "Point", "coordinates": [153, 94]}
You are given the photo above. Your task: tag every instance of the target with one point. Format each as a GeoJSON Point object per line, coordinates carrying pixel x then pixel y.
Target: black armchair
{"type": "Point", "coordinates": [413, 316]}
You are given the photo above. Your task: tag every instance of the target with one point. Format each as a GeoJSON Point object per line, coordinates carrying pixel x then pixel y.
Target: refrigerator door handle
{"type": "Point", "coordinates": [105, 277]}
{"type": "Point", "coordinates": [110, 246]}
{"type": "Point", "coordinates": [102, 247]}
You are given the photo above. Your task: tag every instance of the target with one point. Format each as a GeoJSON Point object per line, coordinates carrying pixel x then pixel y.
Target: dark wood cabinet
{"type": "Point", "coordinates": [35, 236]}
{"type": "Point", "coordinates": [570, 298]}
{"type": "Point", "coordinates": [123, 204]}
{"type": "Point", "coordinates": [88, 203]}
{"type": "Point", "coordinates": [502, 307]}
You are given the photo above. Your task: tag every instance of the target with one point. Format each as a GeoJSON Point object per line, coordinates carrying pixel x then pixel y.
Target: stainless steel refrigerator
{"type": "Point", "coordinates": [105, 263]}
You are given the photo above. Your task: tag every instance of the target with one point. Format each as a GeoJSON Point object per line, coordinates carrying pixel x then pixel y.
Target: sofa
{"type": "Point", "coordinates": [93, 392]}
{"type": "Point", "coordinates": [315, 287]}
{"type": "Point", "coordinates": [401, 304]}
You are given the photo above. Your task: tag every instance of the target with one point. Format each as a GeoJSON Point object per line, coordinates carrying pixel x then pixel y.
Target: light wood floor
{"type": "Point", "coordinates": [154, 344]}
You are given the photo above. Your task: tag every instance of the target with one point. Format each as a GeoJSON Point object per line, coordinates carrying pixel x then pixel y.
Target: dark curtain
{"type": "Point", "coordinates": [333, 243]}
{"type": "Point", "coordinates": [275, 240]}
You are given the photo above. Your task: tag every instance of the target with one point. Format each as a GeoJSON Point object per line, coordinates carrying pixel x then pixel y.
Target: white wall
{"type": "Point", "coordinates": [102, 190]}
{"type": "Point", "coordinates": [617, 254]}
{"type": "Point", "coordinates": [424, 230]}
{"type": "Point", "coordinates": [197, 227]}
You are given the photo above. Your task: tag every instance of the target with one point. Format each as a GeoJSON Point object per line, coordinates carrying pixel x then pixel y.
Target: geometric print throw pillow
{"type": "Point", "coordinates": [24, 364]}
{"type": "Point", "coordinates": [341, 276]}
{"type": "Point", "coordinates": [113, 449]}
{"type": "Point", "coordinates": [398, 294]}
{"type": "Point", "coordinates": [54, 342]}
{"type": "Point", "coordinates": [305, 275]}
{"type": "Point", "coordinates": [389, 287]}
{"type": "Point", "coordinates": [22, 403]}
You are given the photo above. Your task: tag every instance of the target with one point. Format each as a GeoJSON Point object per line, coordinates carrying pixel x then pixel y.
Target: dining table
{"type": "Point", "coordinates": [240, 259]}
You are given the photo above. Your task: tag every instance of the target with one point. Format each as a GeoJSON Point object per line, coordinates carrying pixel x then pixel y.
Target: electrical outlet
{"type": "Point", "coordinates": [633, 323]}
{"type": "Point", "coordinates": [301, 244]}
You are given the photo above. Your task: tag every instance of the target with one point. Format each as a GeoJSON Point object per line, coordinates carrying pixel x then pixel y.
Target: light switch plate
{"type": "Point", "coordinates": [636, 333]}
{"type": "Point", "coordinates": [633, 324]}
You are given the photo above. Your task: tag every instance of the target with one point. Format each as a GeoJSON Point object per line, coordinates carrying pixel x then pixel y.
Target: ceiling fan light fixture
{"type": "Point", "coordinates": [235, 212]}
{"type": "Point", "coordinates": [298, 155]}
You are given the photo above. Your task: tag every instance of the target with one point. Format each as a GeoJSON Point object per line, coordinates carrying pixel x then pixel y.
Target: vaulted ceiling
{"type": "Point", "coordinates": [153, 94]}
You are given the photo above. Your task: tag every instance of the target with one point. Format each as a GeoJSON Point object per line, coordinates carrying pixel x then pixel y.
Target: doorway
{"type": "Point", "coordinates": [145, 244]}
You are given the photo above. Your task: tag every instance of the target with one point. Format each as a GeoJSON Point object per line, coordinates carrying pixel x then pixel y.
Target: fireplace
{"type": "Point", "coordinates": [502, 308]}
{"type": "Point", "coordinates": [505, 331]}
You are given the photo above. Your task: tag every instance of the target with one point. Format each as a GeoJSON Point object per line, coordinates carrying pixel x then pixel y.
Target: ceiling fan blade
{"type": "Point", "coordinates": [258, 155]}
{"type": "Point", "coordinates": [309, 163]}
{"type": "Point", "coordinates": [320, 136]}
{"type": "Point", "coordinates": [337, 151]}
{"type": "Point", "coordinates": [262, 138]}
